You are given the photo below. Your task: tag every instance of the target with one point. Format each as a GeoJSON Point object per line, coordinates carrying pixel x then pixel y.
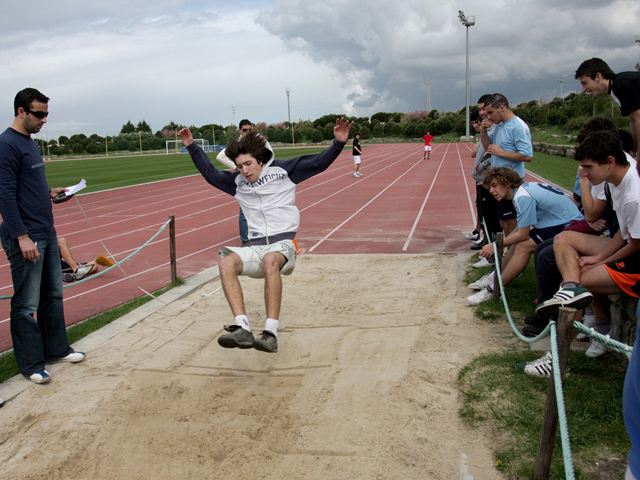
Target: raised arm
{"type": "Point", "coordinates": [341, 130]}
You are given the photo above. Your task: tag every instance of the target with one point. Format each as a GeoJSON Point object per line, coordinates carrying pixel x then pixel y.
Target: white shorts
{"type": "Point", "coordinates": [427, 148]}
{"type": "Point", "coordinates": [356, 159]}
{"type": "Point", "coordinates": [252, 257]}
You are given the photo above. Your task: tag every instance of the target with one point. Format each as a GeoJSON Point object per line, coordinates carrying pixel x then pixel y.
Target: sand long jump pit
{"type": "Point", "coordinates": [364, 385]}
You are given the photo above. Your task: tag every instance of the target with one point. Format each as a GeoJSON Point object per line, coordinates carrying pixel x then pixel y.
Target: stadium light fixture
{"type": "Point", "coordinates": [561, 81]}
{"type": "Point", "coordinates": [469, 21]}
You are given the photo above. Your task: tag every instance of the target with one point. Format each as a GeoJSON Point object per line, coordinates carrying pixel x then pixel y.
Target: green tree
{"type": "Point", "coordinates": [143, 126]}
{"type": "Point", "coordinates": [128, 127]}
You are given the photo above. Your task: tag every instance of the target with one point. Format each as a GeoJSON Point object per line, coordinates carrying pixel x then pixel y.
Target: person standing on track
{"type": "Point", "coordinates": [31, 245]}
{"type": "Point", "coordinates": [357, 152]}
{"type": "Point", "coordinates": [244, 128]}
{"type": "Point", "coordinates": [428, 138]}
{"type": "Point", "coordinates": [265, 189]}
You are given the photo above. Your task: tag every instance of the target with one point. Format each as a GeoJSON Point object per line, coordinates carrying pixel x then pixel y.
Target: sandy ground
{"type": "Point", "coordinates": [364, 385]}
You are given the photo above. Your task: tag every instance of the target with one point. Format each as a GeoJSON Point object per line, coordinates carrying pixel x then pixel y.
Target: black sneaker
{"type": "Point", "coordinates": [266, 342]}
{"type": "Point", "coordinates": [237, 337]}
{"type": "Point", "coordinates": [533, 330]}
{"type": "Point", "coordinates": [536, 321]}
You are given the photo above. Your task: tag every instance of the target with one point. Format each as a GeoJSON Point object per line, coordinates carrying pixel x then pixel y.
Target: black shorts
{"type": "Point", "coordinates": [539, 235]}
{"type": "Point", "coordinates": [506, 210]}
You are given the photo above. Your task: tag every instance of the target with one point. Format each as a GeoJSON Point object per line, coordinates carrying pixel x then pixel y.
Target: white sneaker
{"type": "Point", "coordinates": [40, 377]}
{"type": "Point", "coordinates": [1, 402]}
{"type": "Point", "coordinates": [541, 368]}
{"type": "Point", "coordinates": [73, 357]}
{"type": "Point", "coordinates": [482, 263]}
{"type": "Point", "coordinates": [82, 271]}
{"type": "Point", "coordinates": [472, 236]}
{"type": "Point", "coordinates": [596, 349]}
{"type": "Point", "coordinates": [482, 296]}
{"type": "Point", "coordinates": [484, 282]}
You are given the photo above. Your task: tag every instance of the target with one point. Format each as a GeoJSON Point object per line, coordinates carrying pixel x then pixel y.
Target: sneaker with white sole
{"type": "Point", "coordinates": [1, 403]}
{"type": "Point", "coordinates": [578, 297]}
{"type": "Point", "coordinates": [596, 349]}
{"type": "Point", "coordinates": [541, 368]}
{"type": "Point", "coordinates": [484, 282]}
{"type": "Point", "coordinates": [237, 337]}
{"type": "Point", "coordinates": [266, 342]}
{"type": "Point", "coordinates": [482, 296]}
{"type": "Point", "coordinates": [82, 271]}
{"type": "Point", "coordinates": [483, 262]}
{"type": "Point", "coordinates": [41, 376]}
{"type": "Point", "coordinates": [73, 357]}
{"type": "Point", "coordinates": [475, 235]}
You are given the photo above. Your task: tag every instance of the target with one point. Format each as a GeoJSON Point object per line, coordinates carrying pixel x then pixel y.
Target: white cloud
{"type": "Point", "coordinates": [103, 63]}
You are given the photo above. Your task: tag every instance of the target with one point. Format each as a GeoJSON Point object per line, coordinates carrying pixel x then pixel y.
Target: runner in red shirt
{"type": "Point", "coordinates": [427, 145]}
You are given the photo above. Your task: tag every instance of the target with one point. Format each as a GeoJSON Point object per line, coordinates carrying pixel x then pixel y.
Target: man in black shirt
{"type": "Point", "coordinates": [597, 78]}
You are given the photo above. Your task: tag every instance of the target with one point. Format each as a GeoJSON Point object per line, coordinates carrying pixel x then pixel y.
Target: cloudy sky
{"type": "Point", "coordinates": [104, 63]}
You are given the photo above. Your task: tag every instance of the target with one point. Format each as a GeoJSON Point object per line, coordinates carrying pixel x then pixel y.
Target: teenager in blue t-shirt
{"type": "Point", "coordinates": [542, 212]}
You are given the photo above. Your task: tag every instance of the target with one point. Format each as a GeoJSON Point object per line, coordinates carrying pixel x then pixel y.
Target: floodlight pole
{"type": "Point", "coordinates": [561, 81]}
{"type": "Point", "coordinates": [293, 134]}
{"type": "Point", "coordinates": [467, 22]}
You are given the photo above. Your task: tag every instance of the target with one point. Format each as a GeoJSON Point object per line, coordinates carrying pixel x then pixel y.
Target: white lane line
{"type": "Point", "coordinates": [466, 186]}
{"type": "Point", "coordinates": [366, 204]}
{"type": "Point", "coordinates": [419, 216]}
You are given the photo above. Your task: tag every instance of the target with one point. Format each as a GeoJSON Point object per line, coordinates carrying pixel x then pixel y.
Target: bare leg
{"type": "Point", "coordinates": [516, 260]}
{"type": "Point", "coordinates": [65, 253]}
{"type": "Point", "coordinates": [569, 247]}
{"type": "Point", "coordinates": [271, 265]}
{"type": "Point", "coordinates": [230, 268]}
{"type": "Point", "coordinates": [508, 225]}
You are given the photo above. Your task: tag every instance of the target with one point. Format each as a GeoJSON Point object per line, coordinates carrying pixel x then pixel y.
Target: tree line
{"type": "Point", "coordinates": [568, 114]}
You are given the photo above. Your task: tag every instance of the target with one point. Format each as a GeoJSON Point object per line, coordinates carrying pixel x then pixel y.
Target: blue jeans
{"type": "Point", "coordinates": [37, 287]}
{"type": "Point", "coordinates": [244, 228]}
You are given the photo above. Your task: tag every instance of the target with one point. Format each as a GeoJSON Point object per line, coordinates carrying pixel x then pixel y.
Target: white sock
{"type": "Point", "coordinates": [243, 321]}
{"type": "Point", "coordinates": [271, 325]}
{"type": "Point", "coordinates": [492, 276]}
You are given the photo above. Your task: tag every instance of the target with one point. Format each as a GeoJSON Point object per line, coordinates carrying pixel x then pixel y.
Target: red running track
{"type": "Point", "coordinates": [402, 204]}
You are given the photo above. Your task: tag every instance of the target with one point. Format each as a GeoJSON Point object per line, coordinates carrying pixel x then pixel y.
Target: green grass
{"type": "Point", "coordinates": [103, 173]}
{"type": "Point", "coordinates": [512, 404]}
{"type": "Point", "coordinates": [9, 367]}
{"type": "Point", "coordinates": [560, 170]}
{"type": "Point", "coordinates": [553, 134]}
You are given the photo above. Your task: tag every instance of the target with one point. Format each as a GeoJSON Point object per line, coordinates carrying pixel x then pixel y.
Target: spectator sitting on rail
{"type": "Point", "coordinates": [542, 212]}
{"type": "Point", "coordinates": [265, 189]}
{"type": "Point", "coordinates": [594, 267]}
{"type": "Point", "coordinates": [599, 216]}
{"type": "Point", "coordinates": [72, 271]}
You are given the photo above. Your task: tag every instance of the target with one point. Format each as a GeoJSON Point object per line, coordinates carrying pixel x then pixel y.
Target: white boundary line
{"type": "Point", "coordinates": [419, 216]}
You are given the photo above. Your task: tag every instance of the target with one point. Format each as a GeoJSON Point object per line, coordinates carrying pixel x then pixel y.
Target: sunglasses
{"type": "Point", "coordinates": [37, 114]}
{"type": "Point", "coordinates": [246, 129]}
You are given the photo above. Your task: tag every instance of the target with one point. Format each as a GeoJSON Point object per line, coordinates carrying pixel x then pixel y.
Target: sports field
{"type": "Point", "coordinates": [375, 328]}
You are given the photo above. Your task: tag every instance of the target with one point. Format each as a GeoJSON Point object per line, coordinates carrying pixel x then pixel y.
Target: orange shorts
{"type": "Point", "coordinates": [626, 274]}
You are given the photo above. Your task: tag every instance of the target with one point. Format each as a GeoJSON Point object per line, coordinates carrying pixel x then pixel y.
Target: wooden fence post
{"type": "Point", "coordinates": [172, 248]}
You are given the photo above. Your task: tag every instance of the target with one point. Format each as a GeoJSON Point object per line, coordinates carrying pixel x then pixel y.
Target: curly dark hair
{"type": "Point", "coordinates": [506, 176]}
{"type": "Point", "coordinates": [599, 146]}
{"type": "Point", "coordinates": [252, 144]}
{"type": "Point", "coordinates": [596, 124]}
